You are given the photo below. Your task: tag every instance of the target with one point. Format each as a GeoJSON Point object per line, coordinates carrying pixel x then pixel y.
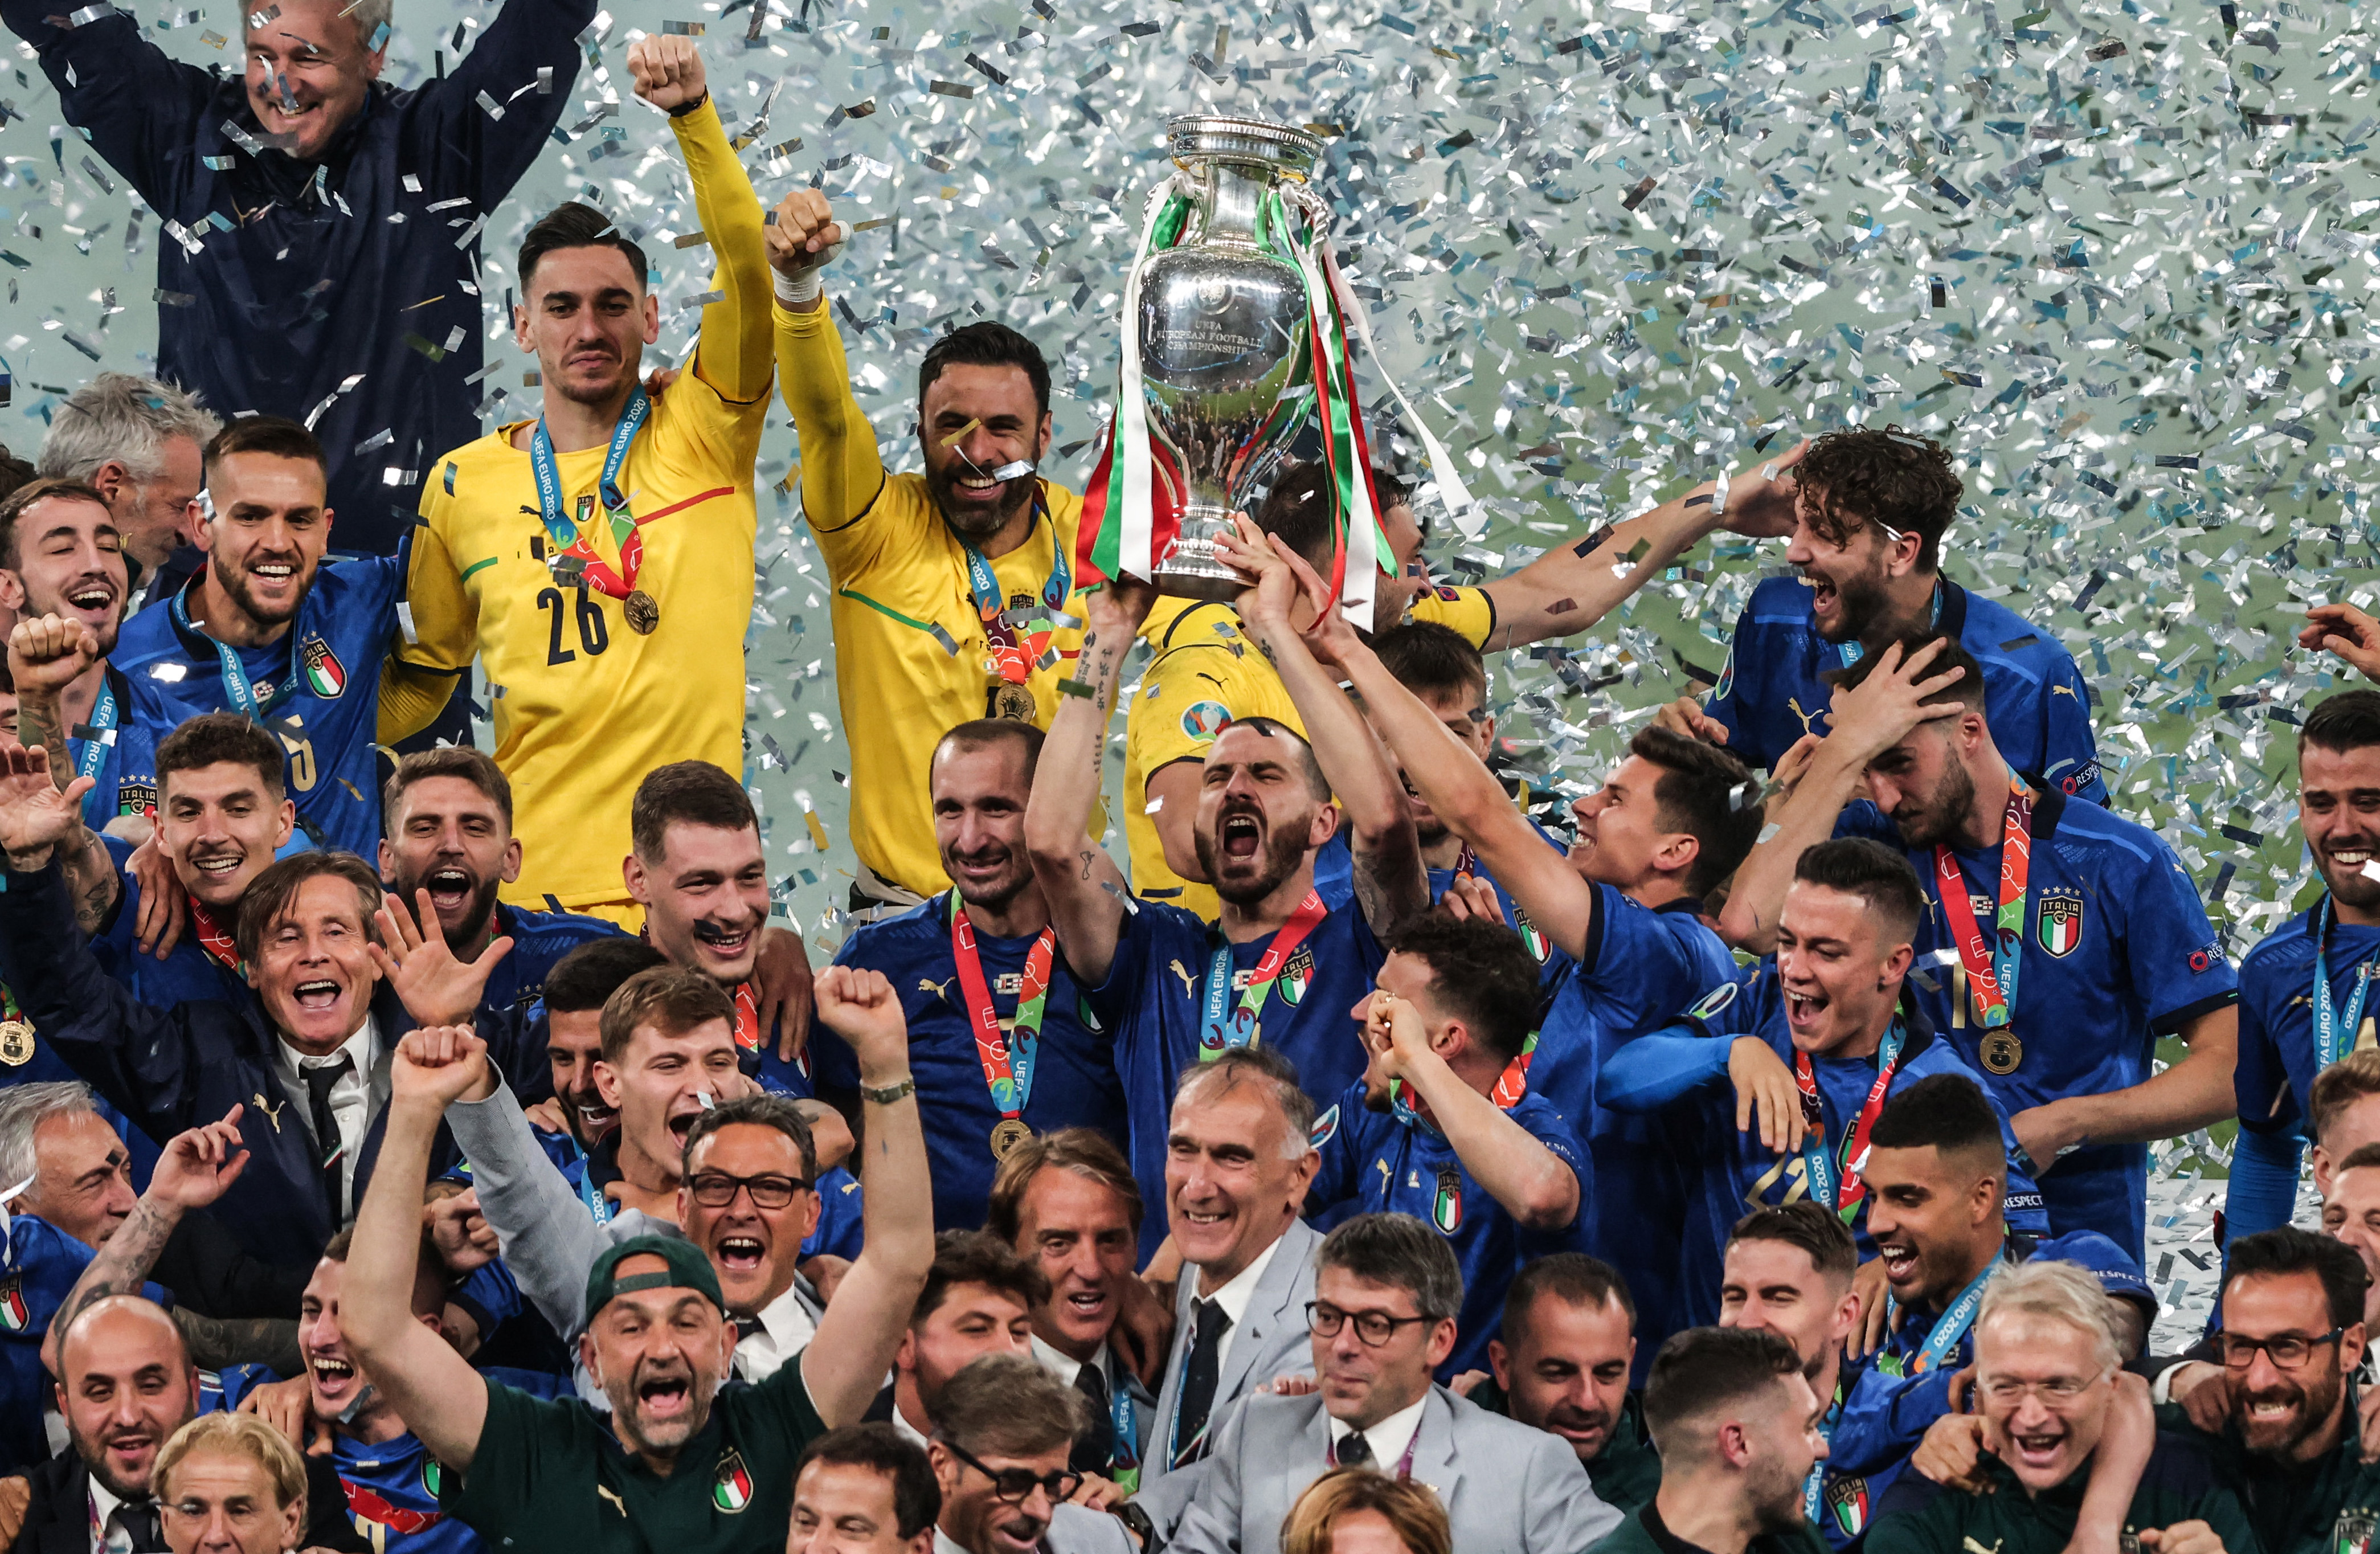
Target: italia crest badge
{"type": "Point", "coordinates": [731, 1488]}
{"type": "Point", "coordinates": [1847, 1498]}
{"type": "Point", "coordinates": [1529, 934]}
{"type": "Point", "coordinates": [325, 675]}
{"type": "Point", "coordinates": [14, 1316]}
{"type": "Point", "coordinates": [1446, 1208]}
{"type": "Point", "coordinates": [433, 1477]}
{"type": "Point", "coordinates": [2351, 1533]}
{"type": "Point", "coordinates": [1296, 973]}
{"type": "Point", "coordinates": [2058, 921]}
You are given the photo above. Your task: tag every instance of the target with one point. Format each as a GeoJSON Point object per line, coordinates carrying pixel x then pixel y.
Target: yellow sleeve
{"type": "Point", "coordinates": [733, 353]}
{"type": "Point", "coordinates": [410, 698]}
{"type": "Point", "coordinates": [842, 473]}
{"type": "Point", "coordinates": [420, 673]}
{"type": "Point", "coordinates": [1467, 610]}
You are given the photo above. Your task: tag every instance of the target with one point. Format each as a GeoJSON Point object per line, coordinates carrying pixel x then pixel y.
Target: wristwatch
{"type": "Point", "coordinates": [1136, 1520]}
{"type": "Point", "coordinates": [891, 1093]}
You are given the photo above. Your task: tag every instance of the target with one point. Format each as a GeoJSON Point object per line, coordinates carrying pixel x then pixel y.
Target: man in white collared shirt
{"type": "Point", "coordinates": [978, 1300]}
{"type": "Point", "coordinates": [1066, 1200]}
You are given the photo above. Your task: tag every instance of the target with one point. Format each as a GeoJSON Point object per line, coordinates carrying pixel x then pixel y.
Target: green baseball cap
{"type": "Point", "coordinates": [687, 1268]}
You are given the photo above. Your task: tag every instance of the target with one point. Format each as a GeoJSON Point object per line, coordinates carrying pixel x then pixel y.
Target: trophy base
{"type": "Point", "coordinates": [1192, 570]}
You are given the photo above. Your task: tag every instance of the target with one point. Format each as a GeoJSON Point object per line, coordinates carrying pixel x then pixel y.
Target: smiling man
{"type": "Point", "coordinates": [1789, 1272]}
{"type": "Point", "coordinates": [141, 443]}
{"type": "Point", "coordinates": [272, 630]}
{"type": "Point", "coordinates": [62, 564]}
{"type": "Point", "coordinates": [1561, 1366]}
{"type": "Point", "coordinates": [978, 1299]}
{"type": "Point", "coordinates": [1001, 1038]}
{"type": "Point", "coordinates": [1000, 1455]}
{"type": "Point", "coordinates": [324, 179]}
{"type": "Point", "coordinates": [954, 588]}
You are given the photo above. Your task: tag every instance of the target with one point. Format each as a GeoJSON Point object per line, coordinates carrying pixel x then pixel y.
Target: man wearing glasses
{"type": "Point", "coordinates": [1385, 1291]}
{"type": "Point", "coordinates": [2047, 1377]}
{"type": "Point", "coordinates": [1002, 1433]}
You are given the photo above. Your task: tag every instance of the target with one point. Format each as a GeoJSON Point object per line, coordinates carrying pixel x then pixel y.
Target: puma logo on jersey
{"type": "Point", "coordinates": [1189, 983]}
{"type": "Point", "coordinates": [928, 985]}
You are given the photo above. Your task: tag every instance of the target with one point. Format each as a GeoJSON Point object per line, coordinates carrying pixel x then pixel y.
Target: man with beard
{"type": "Point", "coordinates": [978, 1299]}
{"type": "Point", "coordinates": [1737, 1428]}
{"type": "Point", "coordinates": [2047, 1376]}
{"type": "Point", "coordinates": [62, 564]}
{"type": "Point", "coordinates": [270, 631]}
{"type": "Point", "coordinates": [140, 443]}
{"type": "Point", "coordinates": [1870, 511]}
{"type": "Point", "coordinates": [1936, 1170]}
{"type": "Point", "coordinates": [1430, 1131]}
{"type": "Point", "coordinates": [614, 621]}
{"type": "Point", "coordinates": [1282, 967]}
{"type": "Point", "coordinates": [997, 1033]}
{"type": "Point", "coordinates": [1625, 909]}
{"type": "Point", "coordinates": [1789, 1272]}
{"type": "Point", "coordinates": [954, 588]}
{"type": "Point", "coordinates": [682, 1462]}
{"type": "Point", "coordinates": [1770, 1087]}
{"type": "Point", "coordinates": [2303, 988]}
{"type": "Point", "coordinates": [573, 998]}
{"type": "Point", "coordinates": [1561, 1366]}
{"type": "Point", "coordinates": [2098, 943]}
{"type": "Point", "coordinates": [1001, 1434]}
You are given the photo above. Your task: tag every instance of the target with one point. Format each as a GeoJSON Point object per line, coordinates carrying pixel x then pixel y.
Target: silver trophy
{"type": "Point", "coordinates": [1226, 361]}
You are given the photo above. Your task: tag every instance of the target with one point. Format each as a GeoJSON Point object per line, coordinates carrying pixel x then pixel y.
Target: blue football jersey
{"type": "Point", "coordinates": [1071, 1067]}
{"type": "Point", "coordinates": [42, 1265]}
{"type": "Point", "coordinates": [1153, 1000]}
{"type": "Point", "coordinates": [116, 790]}
{"type": "Point", "coordinates": [2117, 952]}
{"type": "Point", "coordinates": [318, 688]}
{"type": "Point", "coordinates": [2277, 1048]}
{"type": "Point", "coordinates": [188, 971]}
{"type": "Point", "coordinates": [1770, 693]}
{"type": "Point", "coordinates": [540, 939]}
{"type": "Point", "coordinates": [1373, 1163]}
{"type": "Point", "coordinates": [1680, 1077]}
{"type": "Point", "coordinates": [1334, 876]}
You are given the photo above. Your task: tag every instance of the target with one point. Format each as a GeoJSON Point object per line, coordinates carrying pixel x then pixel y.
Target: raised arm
{"type": "Point", "coordinates": [733, 355]}
{"type": "Point", "coordinates": [846, 1364]}
{"type": "Point", "coordinates": [436, 1392]}
{"type": "Point", "coordinates": [841, 471]}
{"type": "Point", "coordinates": [550, 1240]}
{"type": "Point", "coordinates": [1084, 889]}
{"type": "Point", "coordinates": [140, 110]}
{"type": "Point", "coordinates": [193, 1172]}
{"type": "Point", "coordinates": [1536, 1188]}
{"type": "Point", "coordinates": [45, 657]}
{"type": "Point", "coordinates": [525, 62]}
{"type": "Point", "coordinates": [1390, 879]}
{"type": "Point", "coordinates": [1571, 587]}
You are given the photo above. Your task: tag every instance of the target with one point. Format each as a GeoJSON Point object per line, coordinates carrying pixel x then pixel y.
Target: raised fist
{"type": "Point", "coordinates": [667, 71]}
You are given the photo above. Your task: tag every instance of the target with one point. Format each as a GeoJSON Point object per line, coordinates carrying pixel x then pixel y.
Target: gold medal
{"type": "Point", "coordinates": [2000, 1051]}
{"type": "Point", "coordinates": [642, 613]}
{"type": "Point", "coordinates": [15, 1042]}
{"type": "Point", "coordinates": [1013, 702]}
{"type": "Point", "coordinates": [1008, 1138]}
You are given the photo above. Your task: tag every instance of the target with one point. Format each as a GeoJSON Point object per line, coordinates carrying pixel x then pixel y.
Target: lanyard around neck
{"type": "Point", "coordinates": [236, 686]}
{"type": "Point", "coordinates": [1843, 1192]}
{"type": "Point", "coordinates": [1217, 1034]}
{"type": "Point", "coordinates": [1992, 964]}
{"type": "Point", "coordinates": [2334, 1035]}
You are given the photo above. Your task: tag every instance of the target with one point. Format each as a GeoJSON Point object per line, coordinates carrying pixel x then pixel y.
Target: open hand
{"type": "Point", "coordinates": [1760, 500]}
{"type": "Point", "coordinates": [1686, 716]}
{"type": "Point", "coordinates": [288, 1407]}
{"type": "Point", "coordinates": [34, 816]}
{"type": "Point", "coordinates": [1766, 1093]}
{"type": "Point", "coordinates": [435, 988]}
{"type": "Point", "coordinates": [1890, 704]}
{"type": "Point", "coordinates": [2340, 628]}
{"type": "Point", "coordinates": [197, 1167]}
{"type": "Point", "coordinates": [1874, 1292]}
{"type": "Point", "coordinates": [1272, 589]}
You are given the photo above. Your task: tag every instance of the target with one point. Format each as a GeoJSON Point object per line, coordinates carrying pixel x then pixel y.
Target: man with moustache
{"type": "Point", "coordinates": [1769, 1085]}
{"type": "Point", "coordinates": [61, 564]}
{"type": "Point", "coordinates": [1282, 967]}
{"type": "Point", "coordinates": [273, 631]}
{"type": "Point", "coordinates": [1789, 1271]}
{"type": "Point", "coordinates": [2302, 987]}
{"type": "Point", "coordinates": [140, 442]}
{"type": "Point", "coordinates": [1871, 509]}
{"type": "Point", "coordinates": [1561, 1366]}
{"type": "Point", "coordinates": [1002, 1431]}
{"type": "Point", "coordinates": [2096, 929]}
{"type": "Point", "coordinates": [597, 560]}
{"type": "Point", "coordinates": [998, 1031]}
{"type": "Point", "coordinates": [1067, 1201]}
{"type": "Point", "coordinates": [2047, 1370]}
{"type": "Point", "coordinates": [954, 588]}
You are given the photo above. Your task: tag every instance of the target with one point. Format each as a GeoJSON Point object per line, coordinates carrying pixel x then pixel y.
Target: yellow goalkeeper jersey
{"type": "Point", "coordinates": [585, 703]}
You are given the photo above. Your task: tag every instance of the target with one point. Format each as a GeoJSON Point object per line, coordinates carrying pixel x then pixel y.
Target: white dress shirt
{"type": "Point", "coordinates": [1234, 1298]}
{"type": "Point", "coordinates": [351, 1101]}
{"type": "Point", "coordinates": [102, 1506]}
{"type": "Point", "coordinates": [1387, 1438]}
{"type": "Point", "coordinates": [1066, 1368]}
{"type": "Point", "coordinates": [786, 1329]}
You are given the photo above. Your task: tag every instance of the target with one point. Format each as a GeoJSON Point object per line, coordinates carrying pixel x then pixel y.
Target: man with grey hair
{"type": "Point", "coordinates": [318, 259]}
{"type": "Point", "coordinates": [1385, 1291]}
{"type": "Point", "coordinates": [1003, 1429]}
{"type": "Point", "coordinates": [1239, 1156]}
{"type": "Point", "coordinates": [138, 442]}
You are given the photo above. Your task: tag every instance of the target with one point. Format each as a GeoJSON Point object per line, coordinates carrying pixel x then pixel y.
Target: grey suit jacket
{"type": "Point", "coordinates": [1073, 1530]}
{"type": "Point", "coordinates": [1505, 1487]}
{"type": "Point", "coordinates": [1270, 1340]}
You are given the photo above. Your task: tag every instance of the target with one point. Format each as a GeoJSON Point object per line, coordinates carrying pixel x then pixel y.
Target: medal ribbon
{"type": "Point", "coordinates": [1015, 651]}
{"type": "Point", "coordinates": [1218, 1035]}
{"type": "Point", "coordinates": [1007, 1061]}
{"type": "Point", "coordinates": [564, 534]}
{"type": "Point", "coordinates": [2332, 1035]}
{"type": "Point", "coordinates": [1951, 1325]}
{"type": "Point", "coordinates": [1814, 1487]}
{"type": "Point", "coordinates": [1992, 969]}
{"type": "Point", "coordinates": [212, 938]}
{"type": "Point", "coordinates": [237, 688]}
{"type": "Point", "coordinates": [1818, 1162]}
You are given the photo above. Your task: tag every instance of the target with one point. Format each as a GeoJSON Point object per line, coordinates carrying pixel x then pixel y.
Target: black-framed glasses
{"type": "Point", "coordinates": [1015, 1486]}
{"type": "Point", "coordinates": [716, 1189]}
{"type": "Point", "coordinates": [2287, 1351]}
{"type": "Point", "coordinates": [1373, 1327]}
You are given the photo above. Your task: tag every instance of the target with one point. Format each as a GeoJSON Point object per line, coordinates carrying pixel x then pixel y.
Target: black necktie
{"type": "Point", "coordinates": [139, 1520]}
{"type": "Point", "coordinates": [1198, 1381]}
{"type": "Point", "coordinates": [326, 1129]}
{"type": "Point", "coordinates": [745, 1327]}
{"type": "Point", "coordinates": [1355, 1451]}
{"type": "Point", "coordinates": [1094, 1447]}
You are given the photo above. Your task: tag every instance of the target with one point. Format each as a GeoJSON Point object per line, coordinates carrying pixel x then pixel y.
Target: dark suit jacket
{"type": "Point", "coordinates": [170, 1070]}
{"type": "Point", "coordinates": [58, 1520]}
{"type": "Point", "coordinates": [204, 1266]}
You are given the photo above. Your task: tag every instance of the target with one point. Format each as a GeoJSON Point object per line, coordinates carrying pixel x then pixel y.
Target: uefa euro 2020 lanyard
{"type": "Point", "coordinates": [1007, 1059]}
{"type": "Point", "coordinates": [2333, 1035]}
{"type": "Point", "coordinates": [1844, 1195]}
{"type": "Point", "coordinates": [1992, 964]}
{"type": "Point", "coordinates": [569, 538]}
{"type": "Point", "coordinates": [1218, 1034]}
{"type": "Point", "coordinates": [1949, 1328]}
{"type": "Point", "coordinates": [237, 688]}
